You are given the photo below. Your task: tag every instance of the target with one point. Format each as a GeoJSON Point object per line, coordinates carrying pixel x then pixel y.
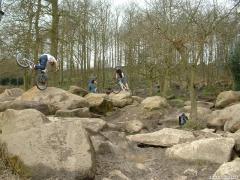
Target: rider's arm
{"type": "Point", "coordinates": [41, 66]}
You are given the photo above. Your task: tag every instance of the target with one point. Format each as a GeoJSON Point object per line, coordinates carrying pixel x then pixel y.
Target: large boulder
{"type": "Point", "coordinates": [56, 97]}
{"type": "Point", "coordinates": [133, 126]}
{"type": "Point", "coordinates": [165, 137]}
{"type": "Point", "coordinates": [154, 103]}
{"type": "Point", "coordinates": [227, 98]}
{"type": "Point", "coordinates": [20, 105]}
{"type": "Point", "coordinates": [216, 150]}
{"type": "Point", "coordinates": [227, 118]}
{"type": "Point", "coordinates": [229, 170]}
{"type": "Point", "coordinates": [236, 137]}
{"type": "Point", "coordinates": [99, 103]}
{"type": "Point", "coordinates": [78, 90]}
{"type": "Point", "coordinates": [121, 99]}
{"type": "Point", "coordinates": [202, 112]}
{"type": "Point", "coordinates": [91, 124]}
{"type": "Point", "coordinates": [79, 112]}
{"type": "Point", "coordinates": [137, 99]}
{"type": "Point", "coordinates": [12, 121]}
{"type": "Point", "coordinates": [59, 150]}
{"type": "Point", "coordinates": [10, 94]}
{"type": "Point", "coordinates": [232, 125]}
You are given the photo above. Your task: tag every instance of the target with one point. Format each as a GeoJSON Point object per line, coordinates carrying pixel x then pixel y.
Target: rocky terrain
{"type": "Point", "coordinates": [57, 134]}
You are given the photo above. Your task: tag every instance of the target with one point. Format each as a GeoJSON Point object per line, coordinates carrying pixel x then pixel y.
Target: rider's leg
{"type": "Point", "coordinates": [42, 62]}
{"type": "Point", "coordinates": [127, 87]}
{"type": "Point", "coordinates": [121, 84]}
{"type": "Point", "coordinates": [125, 83]}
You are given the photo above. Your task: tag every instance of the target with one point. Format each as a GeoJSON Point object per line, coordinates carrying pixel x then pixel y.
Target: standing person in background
{"type": "Point", "coordinates": [92, 86]}
{"type": "Point", "coordinates": [121, 78]}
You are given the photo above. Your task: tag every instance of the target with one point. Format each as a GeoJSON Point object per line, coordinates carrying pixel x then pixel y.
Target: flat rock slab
{"type": "Point", "coordinates": [166, 137]}
{"type": "Point", "coordinates": [216, 150]}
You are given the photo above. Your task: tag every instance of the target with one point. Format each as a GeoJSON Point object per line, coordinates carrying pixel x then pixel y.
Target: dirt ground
{"type": "Point", "coordinates": [145, 162]}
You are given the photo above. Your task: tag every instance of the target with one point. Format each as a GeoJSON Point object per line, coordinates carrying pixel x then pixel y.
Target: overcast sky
{"type": "Point", "coordinates": [142, 2]}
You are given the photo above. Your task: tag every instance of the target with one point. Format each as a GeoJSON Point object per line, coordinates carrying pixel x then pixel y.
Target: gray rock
{"type": "Point", "coordinates": [78, 90]}
{"type": "Point", "coordinates": [60, 149]}
{"type": "Point", "coordinates": [165, 137]}
{"type": "Point", "coordinates": [229, 170]}
{"type": "Point", "coordinates": [227, 118]}
{"type": "Point", "coordinates": [133, 126]}
{"type": "Point", "coordinates": [154, 103]}
{"type": "Point", "coordinates": [217, 150]}
{"type": "Point", "coordinates": [91, 124]}
{"type": "Point", "coordinates": [10, 94]}
{"type": "Point", "coordinates": [190, 172]}
{"type": "Point", "coordinates": [137, 99]}
{"type": "Point", "coordinates": [12, 121]}
{"type": "Point", "coordinates": [122, 99]}
{"type": "Point", "coordinates": [79, 112]}
{"type": "Point", "coordinates": [227, 98]}
{"type": "Point", "coordinates": [20, 105]}
{"type": "Point", "coordinates": [56, 97]}
{"type": "Point", "coordinates": [99, 103]}
{"type": "Point", "coordinates": [116, 174]}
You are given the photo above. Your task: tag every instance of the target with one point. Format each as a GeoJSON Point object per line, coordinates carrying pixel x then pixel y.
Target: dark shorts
{"type": "Point", "coordinates": [42, 62]}
{"type": "Point", "coordinates": [122, 80]}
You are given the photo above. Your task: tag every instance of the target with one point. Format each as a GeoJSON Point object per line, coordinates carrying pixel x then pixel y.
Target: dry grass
{"type": "Point", "coordinates": [13, 163]}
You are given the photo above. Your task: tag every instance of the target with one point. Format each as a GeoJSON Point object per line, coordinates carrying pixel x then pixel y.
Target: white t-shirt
{"type": "Point", "coordinates": [50, 58]}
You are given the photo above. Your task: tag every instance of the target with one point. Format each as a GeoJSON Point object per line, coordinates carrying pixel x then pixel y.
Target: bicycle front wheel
{"type": "Point", "coordinates": [116, 88]}
{"type": "Point", "coordinates": [42, 81]}
{"type": "Point", "coordinates": [22, 60]}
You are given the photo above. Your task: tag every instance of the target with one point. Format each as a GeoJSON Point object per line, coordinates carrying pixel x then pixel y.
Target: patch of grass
{"type": "Point", "coordinates": [14, 163]}
{"type": "Point", "coordinates": [194, 125]}
{"type": "Point", "coordinates": [210, 91]}
{"type": "Point", "coordinates": [178, 103]}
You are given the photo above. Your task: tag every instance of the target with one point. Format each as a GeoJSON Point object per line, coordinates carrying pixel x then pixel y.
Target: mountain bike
{"type": "Point", "coordinates": [41, 78]}
{"type": "Point", "coordinates": [115, 88]}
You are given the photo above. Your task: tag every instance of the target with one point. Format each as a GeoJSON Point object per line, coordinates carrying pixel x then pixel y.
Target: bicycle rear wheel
{"type": "Point", "coordinates": [116, 88]}
{"type": "Point", "coordinates": [22, 60]}
{"type": "Point", "coordinates": [42, 81]}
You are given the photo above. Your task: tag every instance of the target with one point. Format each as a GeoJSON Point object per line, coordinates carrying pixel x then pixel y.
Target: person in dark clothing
{"type": "Point", "coordinates": [182, 119]}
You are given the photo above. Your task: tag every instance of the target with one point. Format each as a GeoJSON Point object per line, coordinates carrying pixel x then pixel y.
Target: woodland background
{"type": "Point", "coordinates": [175, 45]}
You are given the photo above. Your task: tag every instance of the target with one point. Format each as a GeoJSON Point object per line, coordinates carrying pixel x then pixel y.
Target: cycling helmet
{"type": "Point", "coordinates": [118, 67]}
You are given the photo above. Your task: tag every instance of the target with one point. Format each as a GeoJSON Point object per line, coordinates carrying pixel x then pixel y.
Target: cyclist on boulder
{"type": "Point", "coordinates": [44, 60]}
{"type": "Point", "coordinates": [121, 79]}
